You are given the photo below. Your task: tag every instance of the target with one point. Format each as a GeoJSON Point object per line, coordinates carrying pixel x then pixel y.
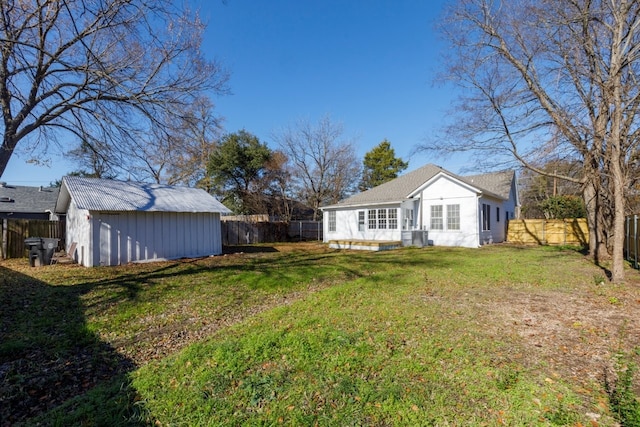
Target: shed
{"type": "Point", "coordinates": [118, 222]}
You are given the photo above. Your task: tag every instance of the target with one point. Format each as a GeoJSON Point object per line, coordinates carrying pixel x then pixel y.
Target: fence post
{"type": "Point", "coordinates": [3, 239]}
{"type": "Point", "coordinates": [626, 236]}
{"type": "Point", "coordinates": [635, 241]}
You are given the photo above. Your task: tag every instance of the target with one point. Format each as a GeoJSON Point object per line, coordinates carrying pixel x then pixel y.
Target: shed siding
{"type": "Point", "coordinates": [120, 238]}
{"type": "Point", "coordinates": [78, 225]}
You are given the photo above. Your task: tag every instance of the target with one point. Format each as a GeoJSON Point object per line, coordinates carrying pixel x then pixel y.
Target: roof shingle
{"type": "Point", "coordinates": [16, 198]}
{"type": "Point", "coordinates": [396, 190]}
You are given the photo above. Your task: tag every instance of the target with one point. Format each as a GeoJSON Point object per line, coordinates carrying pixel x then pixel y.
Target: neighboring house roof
{"type": "Point", "coordinates": [106, 195]}
{"type": "Point", "coordinates": [497, 184]}
{"type": "Point", "coordinates": [27, 200]}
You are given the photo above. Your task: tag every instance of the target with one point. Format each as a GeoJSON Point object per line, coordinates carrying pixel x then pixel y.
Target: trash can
{"type": "Point", "coordinates": [49, 246]}
{"type": "Point", "coordinates": [36, 250]}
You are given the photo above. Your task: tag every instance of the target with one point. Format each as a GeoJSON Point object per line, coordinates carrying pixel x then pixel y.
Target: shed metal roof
{"type": "Point", "coordinates": [108, 195]}
{"type": "Point", "coordinates": [497, 184]}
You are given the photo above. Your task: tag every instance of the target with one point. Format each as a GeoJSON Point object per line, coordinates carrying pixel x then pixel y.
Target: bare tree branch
{"type": "Point", "coordinates": [70, 64]}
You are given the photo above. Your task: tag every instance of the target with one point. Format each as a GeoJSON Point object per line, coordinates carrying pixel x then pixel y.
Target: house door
{"type": "Point", "coordinates": [410, 212]}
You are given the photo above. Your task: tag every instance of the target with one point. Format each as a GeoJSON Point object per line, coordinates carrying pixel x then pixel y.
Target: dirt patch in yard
{"type": "Point", "coordinates": [571, 335]}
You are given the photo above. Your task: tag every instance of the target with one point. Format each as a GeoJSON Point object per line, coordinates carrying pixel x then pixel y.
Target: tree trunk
{"type": "Point", "coordinates": [8, 145]}
{"type": "Point", "coordinates": [597, 239]}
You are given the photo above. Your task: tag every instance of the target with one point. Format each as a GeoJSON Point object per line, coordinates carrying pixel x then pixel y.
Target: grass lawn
{"type": "Point", "coordinates": [292, 334]}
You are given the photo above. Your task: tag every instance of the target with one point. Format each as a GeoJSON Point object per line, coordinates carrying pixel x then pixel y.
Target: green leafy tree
{"type": "Point", "coordinates": [238, 169]}
{"type": "Point", "coordinates": [380, 165]}
{"type": "Point", "coordinates": [560, 207]}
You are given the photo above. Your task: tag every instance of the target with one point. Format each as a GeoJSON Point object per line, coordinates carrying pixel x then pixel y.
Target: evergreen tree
{"type": "Point", "coordinates": [238, 168]}
{"type": "Point", "coordinates": [380, 165]}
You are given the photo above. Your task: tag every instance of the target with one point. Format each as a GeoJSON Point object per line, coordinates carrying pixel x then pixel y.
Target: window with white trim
{"type": "Point", "coordinates": [371, 216]}
{"type": "Point", "coordinates": [436, 217]}
{"type": "Point", "coordinates": [393, 219]}
{"type": "Point", "coordinates": [453, 217]}
{"type": "Point", "coordinates": [382, 219]}
{"type": "Point", "coordinates": [332, 220]}
{"type": "Point", "coordinates": [360, 220]}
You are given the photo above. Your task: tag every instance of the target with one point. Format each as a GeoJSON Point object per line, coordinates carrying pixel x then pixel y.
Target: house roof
{"type": "Point", "coordinates": [108, 195]}
{"type": "Point", "coordinates": [497, 184]}
{"type": "Point", "coordinates": [22, 199]}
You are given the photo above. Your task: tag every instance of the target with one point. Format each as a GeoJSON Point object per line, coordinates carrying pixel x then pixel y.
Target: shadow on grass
{"type": "Point", "coordinates": [248, 249]}
{"type": "Point", "coordinates": [48, 357]}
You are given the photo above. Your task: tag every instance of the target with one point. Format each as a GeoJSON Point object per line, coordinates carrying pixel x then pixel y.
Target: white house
{"type": "Point", "coordinates": [116, 222]}
{"type": "Point", "coordinates": [429, 205]}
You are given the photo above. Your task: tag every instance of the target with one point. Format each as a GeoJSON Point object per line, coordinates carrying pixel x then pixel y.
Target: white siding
{"type": "Point", "coordinates": [78, 225]}
{"type": "Point", "coordinates": [445, 191]}
{"type": "Point", "coordinates": [120, 238]}
{"type": "Point", "coordinates": [347, 225]}
{"type": "Point", "coordinates": [497, 231]}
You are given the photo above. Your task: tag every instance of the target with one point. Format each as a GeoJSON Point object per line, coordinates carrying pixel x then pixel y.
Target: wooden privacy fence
{"type": "Point", "coordinates": [549, 231]}
{"type": "Point", "coordinates": [248, 232]}
{"type": "Point", "coordinates": [14, 231]}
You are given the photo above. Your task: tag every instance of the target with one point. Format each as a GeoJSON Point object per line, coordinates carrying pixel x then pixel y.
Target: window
{"type": "Point", "coordinates": [486, 217]}
{"type": "Point", "coordinates": [332, 220]}
{"type": "Point", "coordinates": [436, 217]}
{"type": "Point", "coordinates": [453, 217]}
{"type": "Point", "coordinates": [393, 219]}
{"type": "Point", "coordinates": [382, 219]}
{"type": "Point", "coordinates": [379, 219]}
{"type": "Point", "coordinates": [372, 219]}
{"type": "Point", "coordinates": [497, 214]}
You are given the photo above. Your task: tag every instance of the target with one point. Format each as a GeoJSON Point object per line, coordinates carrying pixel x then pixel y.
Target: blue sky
{"type": "Point", "coordinates": [369, 65]}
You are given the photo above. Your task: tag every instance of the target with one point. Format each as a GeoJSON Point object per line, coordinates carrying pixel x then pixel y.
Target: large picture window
{"type": "Point", "coordinates": [453, 217]}
{"type": "Point", "coordinates": [379, 219]}
{"type": "Point", "coordinates": [436, 217]}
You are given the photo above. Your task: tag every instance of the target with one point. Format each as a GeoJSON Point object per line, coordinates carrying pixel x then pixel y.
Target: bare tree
{"type": "Point", "coordinates": [97, 71]}
{"type": "Point", "coordinates": [552, 79]}
{"type": "Point", "coordinates": [278, 181]}
{"type": "Point", "coordinates": [178, 152]}
{"type": "Point", "coordinates": [325, 168]}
